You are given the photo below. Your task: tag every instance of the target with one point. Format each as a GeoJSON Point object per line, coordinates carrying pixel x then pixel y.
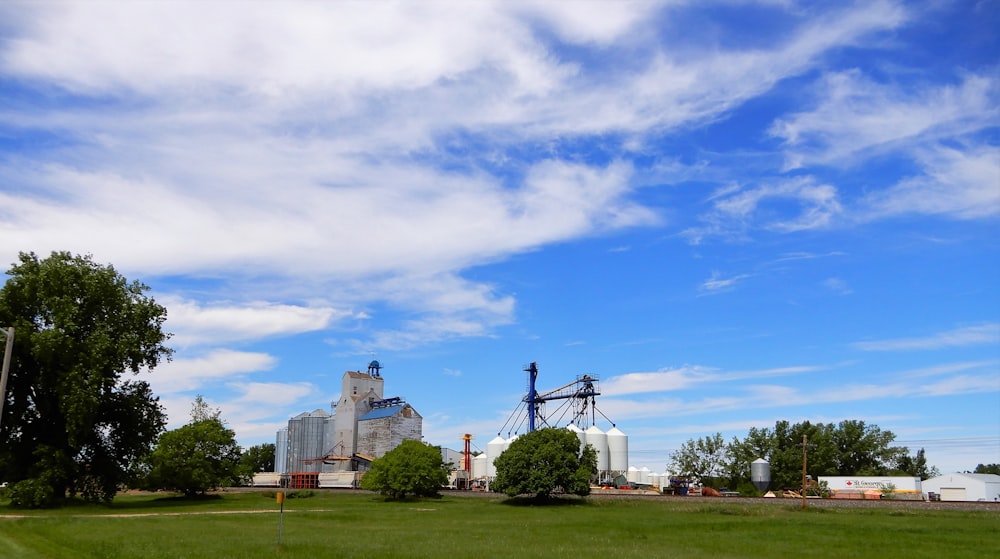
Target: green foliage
{"type": "Point", "coordinates": [72, 418]}
{"type": "Point", "coordinates": [258, 458]}
{"type": "Point", "coordinates": [703, 458]}
{"type": "Point", "coordinates": [543, 462]}
{"type": "Point", "coordinates": [411, 468]}
{"type": "Point", "coordinates": [199, 456]}
{"type": "Point", "coordinates": [916, 466]}
{"type": "Point", "coordinates": [985, 469]}
{"type": "Point", "coordinates": [32, 494]}
{"type": "Point", "coordinates": [848, 448]}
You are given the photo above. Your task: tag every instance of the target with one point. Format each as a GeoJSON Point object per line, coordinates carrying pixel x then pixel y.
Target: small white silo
{"type": "Point", "coordinates": [633, 474]}
{"type": "Point", "coordinates": [644, 475]}
{"type": "Point", "coordinates": [494, 449]}
{"type": "Point", "coordinates": [617, 450]}
{"type": "Point", "coordinates": [479, 466]}
{"type": "Point", "coordinates": [579, 434]}
{"type": "Point", "coordinates": [506, 443]}
{"type": "Point", "coordinates": [599, 440]}
{"type": "Point", "coordinates": [656, 479]}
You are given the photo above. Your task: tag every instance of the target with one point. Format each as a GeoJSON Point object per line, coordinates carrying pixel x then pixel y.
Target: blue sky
{"type": "Point", "coordinates": [731, 212]}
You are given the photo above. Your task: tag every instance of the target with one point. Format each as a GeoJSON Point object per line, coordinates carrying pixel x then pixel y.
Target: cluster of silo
{"type": "Point", "coordinates": [611, 448]}
{"type": "Point", "coordinates": [643, 476]}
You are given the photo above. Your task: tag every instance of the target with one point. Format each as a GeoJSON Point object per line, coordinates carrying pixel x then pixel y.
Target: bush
{"type": "Point", "coordinates": [543, 462]}
{"type": "Point", "coordinates": [32, 494]}
{"type": "Point", "coordinates": [411, 468]}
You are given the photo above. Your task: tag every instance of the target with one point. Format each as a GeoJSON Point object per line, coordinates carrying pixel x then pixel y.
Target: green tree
{"type": "Point", "coordinates": [706, 458]}
{"type": "Point", "coordinates": [411, 468]}
{"type": "Point", "coordinates": [985, 469]}
{"type": "Point", "coordinates": [258, 458]}
{"type": "Point", "coordinates": [199, 456]}
{"type": "Point", "coordinates": [74, 422]}
{"type": "Point", "coordinates": [545, 461]}
{"type": "Point", "coordinates": [916, 466]}
{"type": "Point", "coordinates": [864, 449]}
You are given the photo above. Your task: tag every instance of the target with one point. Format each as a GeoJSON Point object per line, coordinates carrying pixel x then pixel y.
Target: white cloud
{"type": "Point", "coordinates": [961, 183]}
{"type": "Point", "coordinates": [688, 377]}
{"type": "Point", "coordinates": [737, 211]}
{"type": "Point", "coordinates": [718, 284]}
{"type": "Point", "coordinates": [196, 324]}
{"type": "Point", "coordinates": [187, 374]}
{"type": "Point", "coordinates": [859, 118]}
{"type": "Point", "coordinates": [838, 286]}
{"type": "Point", "coordinates": [970, 335]}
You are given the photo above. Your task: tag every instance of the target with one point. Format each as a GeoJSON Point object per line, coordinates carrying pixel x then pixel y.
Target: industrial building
{"type": "Point", "coordinates": [363, 426]}
{"type": "Point", "coordinates": [962, 487]}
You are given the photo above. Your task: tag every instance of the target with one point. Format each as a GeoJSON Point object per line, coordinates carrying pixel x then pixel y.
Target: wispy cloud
{"type": "Point", "coordinates": [736, 213]}
{"type": "Point", "coordinates": [859, 118]}
{"type": "Point", "coordinates": [719, 284]}
{"type": "Point", "coordinates": [689, 376]}
{"type": "Point", "coordinates": [970, 335]}
{"type": "Point", "coordinates": [838, 286]}
{"type": "Point", "coordinates": [961, 183]}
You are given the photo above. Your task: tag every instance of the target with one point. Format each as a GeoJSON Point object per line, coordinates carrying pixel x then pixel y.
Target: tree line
{"type": "Point", "coordinates": [848, 448]}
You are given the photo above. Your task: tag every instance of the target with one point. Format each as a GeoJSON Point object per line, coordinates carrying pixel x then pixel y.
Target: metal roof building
{"type": "Point", "coordinates": [963, 487]}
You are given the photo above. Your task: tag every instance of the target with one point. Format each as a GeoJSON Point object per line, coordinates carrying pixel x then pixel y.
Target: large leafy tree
{"type": "Point", "coordinates": [545, 461]}
{"type": "Point", "coordinates": [412, 468]}
{"type": "Point", "coordinates": [75, 421]}
{"type": "Point", "coordinates": [703, 458]}
{"type": "Point", "coordinates": [196, 457]}
{"type": "Point", "coordinates": [258, 458]}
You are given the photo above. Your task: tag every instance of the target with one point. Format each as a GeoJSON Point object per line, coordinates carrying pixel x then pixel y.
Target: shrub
{"type": "Point", "coordinates": [32, 494]}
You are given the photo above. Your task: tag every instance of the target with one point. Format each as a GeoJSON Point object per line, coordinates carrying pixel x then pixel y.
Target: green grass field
{"type": "Point", "coordinates": [348, 524]}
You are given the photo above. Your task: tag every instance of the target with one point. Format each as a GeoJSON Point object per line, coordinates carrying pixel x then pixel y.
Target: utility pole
{"type": "Point", "coordinates": [805, 445]}
{"type": "Point", "coordinates": [6, 368]}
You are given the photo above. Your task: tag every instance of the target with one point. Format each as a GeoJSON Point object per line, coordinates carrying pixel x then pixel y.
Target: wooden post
{"type": "Point", "coordinates": [805, 441]}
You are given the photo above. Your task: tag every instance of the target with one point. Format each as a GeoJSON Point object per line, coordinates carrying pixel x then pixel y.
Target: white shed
{"type": "Point", "coordinates": [964, 487]}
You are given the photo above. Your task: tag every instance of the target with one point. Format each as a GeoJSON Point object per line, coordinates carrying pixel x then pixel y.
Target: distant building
{"type": "Point", "coordinates": [963, 487]}
{"type": "Point", "coordinates": [363, 426]}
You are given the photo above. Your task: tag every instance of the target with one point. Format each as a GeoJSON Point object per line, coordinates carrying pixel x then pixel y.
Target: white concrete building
{"type": "Point", "coordinates": [963, 487]}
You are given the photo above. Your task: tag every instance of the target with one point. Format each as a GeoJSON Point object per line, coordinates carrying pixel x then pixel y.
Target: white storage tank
{"type": "Point", "coordinates": [506, 444]}
{"type": "Point", "coordinates": [633, 474]}
{"type": "Point", "coordinates": [617, 450]}
{"type": "Point", "coordinates": [479, 466]}
{"type": "Point", "coordinates": [599, 440]}
{"type": "Point", "coordinates": [656, 479]}
{"type": "Point", "coordinates": [494, 449]}
{"type": "Point", "coordinates": [579, 434]}
{"type": "Point", "coordinates": [644, 475]}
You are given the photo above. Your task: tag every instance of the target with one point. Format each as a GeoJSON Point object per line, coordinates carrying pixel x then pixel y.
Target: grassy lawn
{"type": "Point", "coordinates": [346, 525]}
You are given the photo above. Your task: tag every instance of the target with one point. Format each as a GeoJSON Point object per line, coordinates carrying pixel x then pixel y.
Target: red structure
{"type": "Point", "coordinates": [467, 454]}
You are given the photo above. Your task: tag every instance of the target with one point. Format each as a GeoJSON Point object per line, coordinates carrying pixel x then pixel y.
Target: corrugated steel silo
{"type": "Point", "coordinates": [760, 474]}
{"type": "Point", "coordinates": [281, 451]}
